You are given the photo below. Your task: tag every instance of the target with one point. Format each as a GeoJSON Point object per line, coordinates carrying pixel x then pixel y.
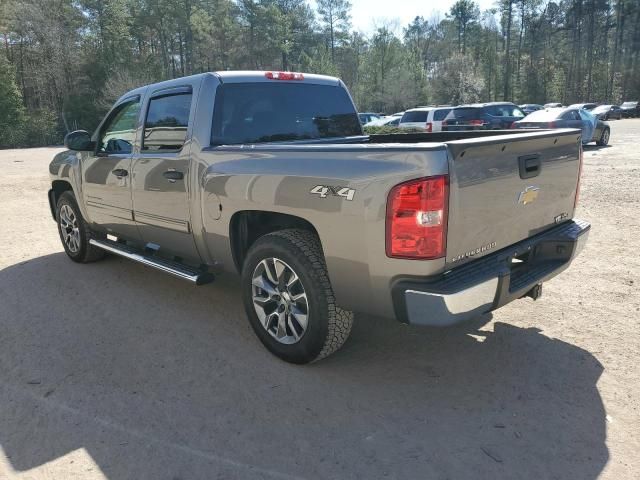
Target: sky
{"type": "Point", "coordinates": [366, 13]}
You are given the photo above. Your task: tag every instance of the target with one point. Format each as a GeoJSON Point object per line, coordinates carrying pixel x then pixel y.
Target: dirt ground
{"type": "Point", "coordinates": [112, 370]}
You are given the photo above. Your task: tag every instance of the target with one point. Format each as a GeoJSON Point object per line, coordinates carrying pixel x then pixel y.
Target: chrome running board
{"type": "Point", "coordinates": [176, 269]}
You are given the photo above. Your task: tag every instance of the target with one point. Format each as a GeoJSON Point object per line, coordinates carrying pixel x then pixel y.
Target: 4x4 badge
{"type": "Point", "coordinates": [324, 190]}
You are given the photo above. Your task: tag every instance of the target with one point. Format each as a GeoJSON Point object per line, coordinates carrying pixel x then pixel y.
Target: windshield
{"type": "Point", "coordinates": [272, 112]}
{"type": "Point", "coordinates": [629, 104]}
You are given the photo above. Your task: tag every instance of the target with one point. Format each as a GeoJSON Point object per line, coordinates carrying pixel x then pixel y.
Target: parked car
{"type": "Point", "coordinates": [427, 118]}
{"type": "Point", "coordinates": [482, 116]}
{"type": "Point", "coordinates": [607, 112]}
{"type": "Point", "coordinates": [584, 106]}
{"type": "Point", "coordinates": [553, 105]}
{"type": "Point", "coordinates": [389, 121]}
{"type": "Point", "coordinates": [630, 109]}
{"type": "Point", "coordinates": [367, 117]}
{"type": "Point", "coordinates": [593, 129]}
{"type": "Point", "coordinates": [267, 176]}
{"type": "Point", "coordinates": [528, 108]}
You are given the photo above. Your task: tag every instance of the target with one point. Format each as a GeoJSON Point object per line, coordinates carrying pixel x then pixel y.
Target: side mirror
{"type": "Point", "coordinates": [80, 141]}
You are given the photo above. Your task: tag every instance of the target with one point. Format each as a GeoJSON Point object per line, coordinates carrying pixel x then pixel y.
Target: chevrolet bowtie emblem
{"type": "Point", "coordinates": [528, 195]}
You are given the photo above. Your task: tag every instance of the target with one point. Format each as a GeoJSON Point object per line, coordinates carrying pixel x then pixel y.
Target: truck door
{"type": "Point", "coordinates": [106, 172]}
{"type": "Point", "coordinates": [160, 184]}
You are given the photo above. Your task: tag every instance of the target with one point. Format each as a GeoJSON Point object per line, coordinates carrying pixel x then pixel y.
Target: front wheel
{"type": "Point", "coordinates": [604, 138]}
{"type": "Point", "coordinates": [74, 231]}
{"type": "Point", "coordinates": [289, 300]}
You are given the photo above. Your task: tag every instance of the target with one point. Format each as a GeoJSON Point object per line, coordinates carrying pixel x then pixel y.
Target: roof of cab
{"type": "Point", "coordinates": [241, 76]}
{"type": "Point", "coordinates": [234, 76]}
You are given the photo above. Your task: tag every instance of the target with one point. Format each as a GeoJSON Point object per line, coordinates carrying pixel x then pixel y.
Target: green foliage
{"type": "Point", "coordinates": [457, 82]}
{"type": "Point", "coordinates": [12, 113]}
{"type": "Point", "coordinates": [41, 129]}
{"type": "Point", "coordinates": [65, 62]}
{"type": "Point", "coordinates": [385, 130]}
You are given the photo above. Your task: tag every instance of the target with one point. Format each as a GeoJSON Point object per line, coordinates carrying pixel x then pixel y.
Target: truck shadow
{"type": "Point", "coordinates": [594, 148]}
{"type": "Point", "coordinates": [154, 378]}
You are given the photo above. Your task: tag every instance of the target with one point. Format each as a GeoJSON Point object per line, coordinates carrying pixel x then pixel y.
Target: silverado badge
{"type": "Point", "coordinates": [528, 195]}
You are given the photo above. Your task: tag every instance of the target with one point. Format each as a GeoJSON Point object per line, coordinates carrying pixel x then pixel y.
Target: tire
{"type": "Point", "coordinates": [302, 286]}
{"type": "Point", "coordinates": [604, 138]}
{"type": "Point", "coordinates": [74, 231]}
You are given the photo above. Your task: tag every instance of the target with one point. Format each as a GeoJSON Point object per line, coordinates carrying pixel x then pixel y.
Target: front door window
{"type": "Point", "coordinates": [118, 134]}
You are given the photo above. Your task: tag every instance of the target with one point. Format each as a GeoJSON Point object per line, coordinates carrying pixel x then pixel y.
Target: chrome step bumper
{"type": "Point", "coordinates": [176, 269]}
{"type": "Point", "coordinates": [492, 281]}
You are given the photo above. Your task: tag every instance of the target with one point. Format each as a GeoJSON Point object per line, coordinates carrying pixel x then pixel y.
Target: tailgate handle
{"type": "Point", "coordinates": [530, 165]}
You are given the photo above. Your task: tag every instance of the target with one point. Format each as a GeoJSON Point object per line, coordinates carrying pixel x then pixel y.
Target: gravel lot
{"type": "Point", "coordinates": [112, 370]}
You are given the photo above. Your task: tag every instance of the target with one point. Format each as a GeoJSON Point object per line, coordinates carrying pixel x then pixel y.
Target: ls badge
{"type": "Point", "coordinates": [528, 195]}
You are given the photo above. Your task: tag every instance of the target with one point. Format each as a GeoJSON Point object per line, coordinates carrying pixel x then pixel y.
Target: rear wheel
{"type": "Point", "coordinates": [604, 138]}
{"type": "Point", "coordinates": [289, 300]}
{"type": "Point", "coordinates": [74, 231]}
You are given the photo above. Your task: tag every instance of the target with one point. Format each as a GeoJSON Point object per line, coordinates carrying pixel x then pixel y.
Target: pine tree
{"type": "Point", "coordinates": [12, 113]}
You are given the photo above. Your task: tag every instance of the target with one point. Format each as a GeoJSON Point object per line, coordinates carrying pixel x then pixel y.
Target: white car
{"type": "Point", "coordinates": [427, 118]}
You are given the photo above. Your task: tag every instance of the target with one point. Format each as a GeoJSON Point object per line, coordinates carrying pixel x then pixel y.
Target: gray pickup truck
{"type": "Point", "coordinates": [268, 174]}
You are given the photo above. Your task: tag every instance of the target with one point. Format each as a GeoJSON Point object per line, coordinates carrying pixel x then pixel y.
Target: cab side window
{"type": "Point", "coordinates": [119, 132]}
{"type": "Point", "coordinates": [165, 128]}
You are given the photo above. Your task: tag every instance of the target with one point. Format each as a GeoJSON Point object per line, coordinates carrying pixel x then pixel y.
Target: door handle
{"type": "Point", "coordinates": [530, 166]}
{"type": "Point", "coordinates": [173, 175]}
{"type": "Point", "coordinates": [120, 172]}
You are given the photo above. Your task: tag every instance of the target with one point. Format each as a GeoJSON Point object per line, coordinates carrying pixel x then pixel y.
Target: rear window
{"type": "Point", "coordinates": [543, 115]}
{"type": "Point", "coordinates": [273, 112]}
{"type": "Point", "coordinates": [504, 111]}
{"type": "Point", "coordinates": [441, 114]}
{"type": "Point", "coordinates": [165, 127]}
{"type": "Point", "coordinates": [415, 116]}
{"type": "Point", "coordinates": [629, 104]}
{"type": "Point", "coordinates": [464, 113]}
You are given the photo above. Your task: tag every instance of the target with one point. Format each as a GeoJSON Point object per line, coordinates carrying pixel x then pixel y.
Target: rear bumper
{"type": "Point", "coordinates": [490, 282]}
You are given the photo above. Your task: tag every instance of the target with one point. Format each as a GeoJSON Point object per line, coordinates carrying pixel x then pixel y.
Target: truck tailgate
{"type": "Point", "coordinates": [506, 188]}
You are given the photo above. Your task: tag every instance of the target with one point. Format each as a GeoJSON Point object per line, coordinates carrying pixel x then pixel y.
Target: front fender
{"type": "Point", "coordinates": [65, 167]}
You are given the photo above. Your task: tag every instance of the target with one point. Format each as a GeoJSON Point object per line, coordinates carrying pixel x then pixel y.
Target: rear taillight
{"type": "Point", "coordinates": [284, 76]}
{"type": "Point", "coordinates": [552, 124]}
{"type": "Point", "coordinates": [416, 221]}
{"type": "Point", "coordinates": [444, 123]}
{"type": "Point", "coordinates": [476, 122]}
{"type": "Point", "coordinates": [428, 127]}
{"type": "Point", "coordinates": [513, 125]}
{"type": "Point", "coordinates": [575, 203]}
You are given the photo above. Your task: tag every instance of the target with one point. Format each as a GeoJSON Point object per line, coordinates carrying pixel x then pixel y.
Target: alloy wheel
{"type": "Point", "coordinates": [280, 300]}
{"type": "Point", "coordinates": [69, 228]}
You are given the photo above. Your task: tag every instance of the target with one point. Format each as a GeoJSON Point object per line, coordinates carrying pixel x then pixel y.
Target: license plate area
{"type": "Point", "coordinates": [525, 268]}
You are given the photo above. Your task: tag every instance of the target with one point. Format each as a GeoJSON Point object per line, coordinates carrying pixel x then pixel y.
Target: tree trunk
{"type": "Point", "coordinates": [522, 17]}
{"type": "Point", "coordinates": [507, 59]}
